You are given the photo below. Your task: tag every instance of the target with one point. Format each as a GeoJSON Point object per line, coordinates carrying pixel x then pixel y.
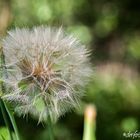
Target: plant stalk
{"type": "Point", "coordinates": [5, 119]}
{"type": "Point", "coordinates": [11, 116]}
{"type": "Point", "coordinates": [50, 128]}
{"type": "Point", "coordinates": [90, 123]}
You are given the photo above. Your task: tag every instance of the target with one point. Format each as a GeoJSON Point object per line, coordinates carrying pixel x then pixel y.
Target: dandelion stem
{"type": "Point", "coordinates": [50, 129]}
{"type": "Point", "coordinates": [11, 116]}
{"type": "Point", "coordinates": [50, 125]}
{"type": "Point", "coordinates": [5, 118]}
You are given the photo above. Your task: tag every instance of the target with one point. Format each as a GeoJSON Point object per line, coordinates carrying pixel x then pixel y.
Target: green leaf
{"type": "Point", "coordinates": [1, 136]}
{"type": "Point", "coordinates": [4, 134]}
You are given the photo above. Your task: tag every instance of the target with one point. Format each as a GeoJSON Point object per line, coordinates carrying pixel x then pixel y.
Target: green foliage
{"type": "Point", "coordinates": [134, 46]}
{"type": "Point", "coordinates": [4, 134]}
{"type": "Point", "coordinates": [130, 124]}
{"type": "Point", "coordinates": [78, 32]}
{"type": "Point", "coordinates": [107, 21]}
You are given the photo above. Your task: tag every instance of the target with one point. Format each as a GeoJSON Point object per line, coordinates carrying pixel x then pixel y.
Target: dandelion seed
{"type": "Point", "coordinates": [46, 70]}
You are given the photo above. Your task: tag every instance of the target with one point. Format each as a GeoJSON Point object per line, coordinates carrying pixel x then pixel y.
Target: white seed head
{"type": "Point", "coordinates": [46, 71]}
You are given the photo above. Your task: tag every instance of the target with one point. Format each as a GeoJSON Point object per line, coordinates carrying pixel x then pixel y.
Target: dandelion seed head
{"type": "Point", "coordinates": [46, 70]}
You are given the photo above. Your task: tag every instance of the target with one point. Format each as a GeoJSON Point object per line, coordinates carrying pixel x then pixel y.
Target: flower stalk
{"type": "Point", "coordinates": [12, 119]}
{"type": "Point", "coordinates": [5, 119]}
{"type": "Point", "coordinates": [50, 128]}
{"type": "Point", "coordinates": [89, 123]}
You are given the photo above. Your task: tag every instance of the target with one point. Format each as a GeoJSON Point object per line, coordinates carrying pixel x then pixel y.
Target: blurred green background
{"type": "Point", "coordinates": [111, 30]}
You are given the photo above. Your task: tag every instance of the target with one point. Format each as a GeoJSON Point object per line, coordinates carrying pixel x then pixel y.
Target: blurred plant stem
{"type": "Point", "coordinates": [5, 119]}
{"type": "Point", "coordinates": [11, 116]}
{"type": "Point", "coordinates": [50, 128]}
{"type": "Point", "coordinates": [89, 123]}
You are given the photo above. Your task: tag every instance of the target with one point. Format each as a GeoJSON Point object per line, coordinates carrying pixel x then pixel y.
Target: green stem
{"type": "Point", "coordinates": [5, 119]}
{"type": "Point", "coordinates": [89, 123]}
{"type": "Point", "coordinates": [50, 129]}
{"type": "Point", "coordinates": [50, 125]}
{"type": "Point", "coordinates": [11, 116]}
